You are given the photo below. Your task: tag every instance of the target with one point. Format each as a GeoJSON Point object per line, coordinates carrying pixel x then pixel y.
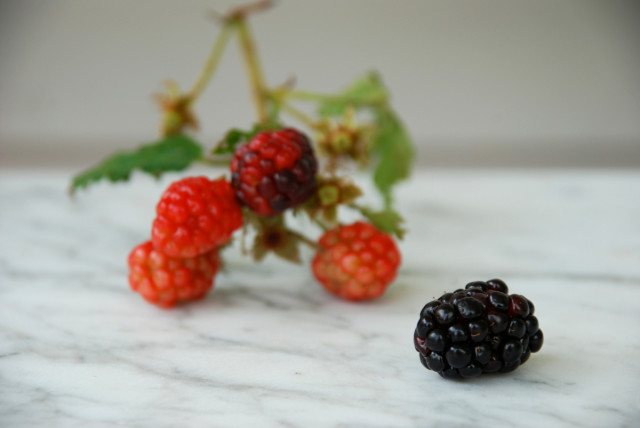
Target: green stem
{"type": "Point", "coordinates": [356, 207]}
{"type": "Point", "coordinates": [253, 68]}
{"type": "Point", "coordinates": [321, 224]}
{"type": "Point", "coordinates": [222, 161]}
{"type": "Point", "coordinates": [319, 97]}
{"type": "Point", "coordinates": [212, 62]}
{"type": "Point", "coordinates": [309, 96]}
{"type": "Point", "coordinates": [299, 115]}
{"type": "Point", "coordinates": [300, 237]}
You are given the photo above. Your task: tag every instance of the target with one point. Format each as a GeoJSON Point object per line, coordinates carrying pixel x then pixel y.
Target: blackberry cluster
{"type": "Point", "coordinates": [481, 329]}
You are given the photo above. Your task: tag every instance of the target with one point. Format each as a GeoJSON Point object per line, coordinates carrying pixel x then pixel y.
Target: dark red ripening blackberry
{"type": "Point", "coordinates": [274, 171]}
{"type": "Point", "coordinates": [481, 329]}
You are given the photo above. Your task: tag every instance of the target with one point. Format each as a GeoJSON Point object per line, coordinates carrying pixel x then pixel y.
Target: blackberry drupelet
{"type": "Point", "coordinates": [481, 329]}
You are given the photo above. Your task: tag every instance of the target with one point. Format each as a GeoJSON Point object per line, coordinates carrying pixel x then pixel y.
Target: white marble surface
{"type": "Point", "coordinates": [269, 348]}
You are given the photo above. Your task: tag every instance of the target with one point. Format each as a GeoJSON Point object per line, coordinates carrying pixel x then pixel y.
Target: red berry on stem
{"type": "Point", "coordinates": [274, 171]}
{"type": "Point", "coordinates": [357, 262]}
{"type": "Point", "coordinates": [195, 215]}
{"type": "Point", "coordinates": [164, 280]}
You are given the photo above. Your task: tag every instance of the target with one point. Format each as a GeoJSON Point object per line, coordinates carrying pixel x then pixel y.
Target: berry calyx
{"type": "Point", "coordinates": [357, 262]}
{"type": "Point", "coordinates": [481, 329]}
{"type": "Point", "coordinates": [331, 192]}
{"type": "Point", "coordinates": [195, 215]}
{"type": "Point", "coordinates": [164, 280]}
{"type": "Point", "coordinates": [344, 139]}
{"type": "Point", "coordinates": [177, 112]}
{"type": "Point", "coordinates": [274, 171]}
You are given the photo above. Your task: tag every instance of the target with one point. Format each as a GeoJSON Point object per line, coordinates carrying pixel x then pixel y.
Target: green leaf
{"type": "Point", "coordinates": [172, 153]}
{"type": "Point", "coordinates": [365, 91]}
{"type": "Point", "coordinates": [387, 220]}
{"type": "Point", "coordinates": [231, 140]}
{"type": "Point", "coordinates": [330, 214]}
{"type": "Point", "coordinates": [392, 149]}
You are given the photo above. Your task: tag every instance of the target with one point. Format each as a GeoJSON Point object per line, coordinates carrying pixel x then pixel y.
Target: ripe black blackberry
{"type": "Point", "coordinates": [481, 329]}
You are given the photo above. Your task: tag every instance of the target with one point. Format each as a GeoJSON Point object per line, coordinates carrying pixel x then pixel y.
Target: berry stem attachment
{"type": "Point", "coordinates": [248, 49]}
{"type": "Point", "coordinates": [212, 62]}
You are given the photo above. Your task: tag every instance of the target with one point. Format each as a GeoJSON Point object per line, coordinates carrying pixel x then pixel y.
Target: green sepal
{"type": "Point", "coordinates": [330, 192]}
{"type": "Point", "coordinates": [289, 250]}
{"type": "Point", "coordinates": [365, 91]}
{"type": "Point", "coordinates": [273, 237]}
{"type": "Point", "coordinates": [387, 220]}
{"type": "Point", "coordinates": [258, 249]}
{"type": "Point", "coordinates": [172, 153]}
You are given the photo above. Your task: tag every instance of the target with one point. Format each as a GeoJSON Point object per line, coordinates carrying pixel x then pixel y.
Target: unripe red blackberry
{"type": "Point", "coordinates": [481, 329]}
{"type": "Point", "coordinates": [274, 171]}
{"type": "Point", "coordinates": [194, 216]}
{"type": "Point", "coordinates": [357, 261]}
{"type": "Point", "coordinates": [164, 280]}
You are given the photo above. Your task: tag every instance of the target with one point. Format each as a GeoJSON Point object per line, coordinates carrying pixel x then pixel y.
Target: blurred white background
{"type": "Point", "coordinates": [478, 83]}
